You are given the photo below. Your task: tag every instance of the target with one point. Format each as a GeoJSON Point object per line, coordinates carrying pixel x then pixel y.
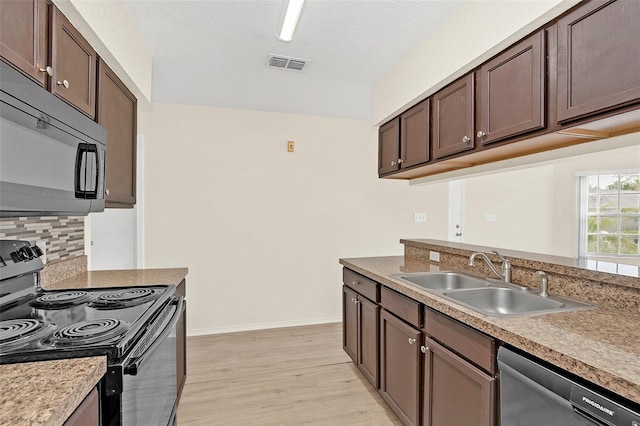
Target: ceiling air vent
{"type": "Point", "coordinates": [287, 63]}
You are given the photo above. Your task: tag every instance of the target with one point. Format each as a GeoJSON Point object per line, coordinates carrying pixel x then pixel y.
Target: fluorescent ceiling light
{"type": "Point", "coordinates": [291, 20]}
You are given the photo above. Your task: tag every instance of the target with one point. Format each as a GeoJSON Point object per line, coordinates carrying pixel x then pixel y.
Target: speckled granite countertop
{"type": "Point", "coordinates": [601, 345]}
{"type": "Point", "coordinates": [46, 392]}
{"type": "Point", "coordinates": [120, 278]}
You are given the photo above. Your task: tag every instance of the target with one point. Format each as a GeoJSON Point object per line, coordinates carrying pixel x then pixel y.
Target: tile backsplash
{"type": "Point", "coordinates": [63, 235]}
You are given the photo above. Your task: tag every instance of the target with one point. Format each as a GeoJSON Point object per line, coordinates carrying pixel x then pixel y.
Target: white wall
{"type": "Point", "coordinates": [474, 32]}
{"type": "Point", "coordinates": [113, 240]}
{"type": "Point", "coordinates": [260, 229]}
{"type": "Point", "coordinates": [537, 207]}
{"type": "Point", "coordinates": [521, 202]}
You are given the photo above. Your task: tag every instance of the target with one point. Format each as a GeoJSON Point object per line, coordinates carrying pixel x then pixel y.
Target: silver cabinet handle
{"type": "Point", "coordinates": [399, 160]}
{"type": "Point", "coordinates": [106, 191]}
{"type": "Point", "coordinates": [355, 283]}
{"type": "Point", "coordinates": [48, 70]}
{"type": "Point", "coordinates": [466, 139]}
{"type": "Point", "coordinates": [411, 340]}
{"type": "Point", "coordinates": [424, 349]}
{"type": "Point", "coordinates": [64, 83]}
{"type": "Point", "coordinates": [353, 300]}
{"type": "Point", "coordinates": [393, 163]}
{"type": "Point", "coordinates": [481, 134]}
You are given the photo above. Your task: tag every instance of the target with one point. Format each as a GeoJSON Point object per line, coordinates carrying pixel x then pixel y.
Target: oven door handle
{"type": "Point", "coordinates": [134, 363]}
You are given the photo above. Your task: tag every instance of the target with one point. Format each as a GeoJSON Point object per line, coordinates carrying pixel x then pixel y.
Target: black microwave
{"type": "Point", "coordinates": [52, 156]}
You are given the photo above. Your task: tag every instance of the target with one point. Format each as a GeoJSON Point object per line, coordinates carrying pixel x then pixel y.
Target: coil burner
{"type": "Point", "coordinates": [60, 300]}
{"type": "Point", "coordinates": [89, 332]}
{"type": "Point", "coordinates": [124, 298]}
{"type": "Point", "coordinates": [19, 332]}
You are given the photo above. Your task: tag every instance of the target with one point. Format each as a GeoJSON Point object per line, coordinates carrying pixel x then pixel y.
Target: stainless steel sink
{"type": "Point", "coordinates": [444, 280]}
{"type": "Point", "coordinates": [488, 296]}
{"type": "Point", "coordinates": [500, 302]}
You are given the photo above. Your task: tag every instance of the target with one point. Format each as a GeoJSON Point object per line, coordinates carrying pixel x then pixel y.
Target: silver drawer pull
{"type": "Point", "coordinates": [411, 340]}
{"type": "Point", "coordinates": [424, 349]}
{"type": "Point", "coordinates": [64, 83]}
{"type": "Point", "coordinates": [355, 283]}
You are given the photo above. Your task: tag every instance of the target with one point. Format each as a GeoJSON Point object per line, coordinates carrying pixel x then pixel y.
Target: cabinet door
{"type": "Point", "coordinates": [414, 135]}
{"type": "Point", "coordinates": [389, 147]}
{"type": "Point", "coordinates": [87, 413]}
{"type": "Point", "coordinates": [453, 118]}
{"type": "Point", "coordinates": [23, 36]}
{"type": "Point", "coordinates": [350, 323]}
{"type": "Point", "coordinates": [74, 65]}
{"type": "Point", "coordinates": [511, 91]}
{"type": "Point", "coordinates": [455, 391]}
{"type": "Point", "coordinates": [117, 109]}
{"type": "Point", "coordinates": [598, 58]}
{"type": "Point", "coordinates": [400, 367]}
{"type": "Point", "coordinates": [368, 347]}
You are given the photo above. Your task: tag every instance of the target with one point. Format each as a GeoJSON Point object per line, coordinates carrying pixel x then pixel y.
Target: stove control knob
{"type": "Point", "coordinates": [26, 253]}
{"type": "Point", "coordinates": [37, 251]}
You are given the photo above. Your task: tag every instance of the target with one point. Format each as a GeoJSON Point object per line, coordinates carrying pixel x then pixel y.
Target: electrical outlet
{"type": "Point", "coordinates": [434, 256]}
{"type": "Point", "coordinates": [291, 146]}
{"type": "Point", "coordinates": [419, 217]}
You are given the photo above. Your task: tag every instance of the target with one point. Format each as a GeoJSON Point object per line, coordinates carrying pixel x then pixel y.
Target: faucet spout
{"type": "Point", "coordinates": [505, 275]}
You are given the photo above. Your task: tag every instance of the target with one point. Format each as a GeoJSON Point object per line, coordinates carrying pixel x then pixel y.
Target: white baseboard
{"type": "Point", "coordinates": [261, 326]}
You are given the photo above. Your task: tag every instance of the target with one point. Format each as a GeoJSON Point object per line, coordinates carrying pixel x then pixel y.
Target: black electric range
{"type": "Point", "coordinates": [127, 325]}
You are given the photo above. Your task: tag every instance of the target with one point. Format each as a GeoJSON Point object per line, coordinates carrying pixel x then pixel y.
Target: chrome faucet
{"type": "Point", "coordinates": [506, 265]}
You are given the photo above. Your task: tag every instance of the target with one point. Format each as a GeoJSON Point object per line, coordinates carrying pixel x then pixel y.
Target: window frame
{"type": "Point", "coordinates": [583, 222]}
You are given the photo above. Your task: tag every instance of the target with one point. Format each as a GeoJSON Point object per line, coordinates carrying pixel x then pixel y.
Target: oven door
{"type": "Point", "coordinates": [149, 393]}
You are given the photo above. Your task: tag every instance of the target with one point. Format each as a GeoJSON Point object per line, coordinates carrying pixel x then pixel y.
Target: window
{"type": "Point", "coordinates": [610, 215]}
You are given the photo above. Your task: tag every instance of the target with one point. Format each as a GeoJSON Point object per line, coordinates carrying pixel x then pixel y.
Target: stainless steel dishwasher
{"type": "Point", "coordinates": [532, 395]}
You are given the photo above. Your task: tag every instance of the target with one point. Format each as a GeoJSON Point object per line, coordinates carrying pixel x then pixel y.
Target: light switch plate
{"type": "Point", "coordinates": [490, 217]}
{"type": "Point", "coordinates": [419, 217]}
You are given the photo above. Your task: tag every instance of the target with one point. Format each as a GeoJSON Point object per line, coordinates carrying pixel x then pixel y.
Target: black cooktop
{"type": "Point", "coordinates": [53, 324]}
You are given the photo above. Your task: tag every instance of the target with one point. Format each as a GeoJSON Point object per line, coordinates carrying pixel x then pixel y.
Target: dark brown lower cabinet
{"type": "Point", "coordinates": [87, 413]}
{"type": "Point", "coordinates": [368, 323]}
{"type": "Point", "coordinates": [455, 391]}
{"type": "Point", "coordinates": [400, 367]}
{"type": "Point", "coordinates": [360, 332]}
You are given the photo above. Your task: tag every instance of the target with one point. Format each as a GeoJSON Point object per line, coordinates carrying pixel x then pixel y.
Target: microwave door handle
{"type": "Point", "coordinates": [131, 364]}
{"type": "Point", "coordinates": [92, 193]}
{"type": "Point", "coordinates": [80, 173]}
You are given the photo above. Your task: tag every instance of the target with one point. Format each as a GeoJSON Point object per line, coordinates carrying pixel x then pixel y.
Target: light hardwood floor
{"type": "Point", "coordinates": [284, 376]}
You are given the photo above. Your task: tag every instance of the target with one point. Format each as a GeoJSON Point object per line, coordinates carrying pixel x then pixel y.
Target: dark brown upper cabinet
{"type": "Point", "coordinates": [117, 111]}
{"type": "Point", "coordinates": [389, 147]}
{"type": "Point", "coordinates": [511, 91]}
{"type": "Point", "coordinates": [414, 135]}
{"type": "Point", "coordinates": [23, 36]}
{"type": "Point", "coordinates": [598, 58]}
{"type": "Point", "coordinates": [453, 118]}
{"type": "Point", "coordinates": [74, 65]}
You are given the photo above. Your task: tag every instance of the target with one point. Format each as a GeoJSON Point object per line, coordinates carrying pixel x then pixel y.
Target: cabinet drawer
{"type": "Point", "coordinates": [401, 306]}
{"type": "Point", "coordinates": [361, 284]}
{"type": "Point", "coordinates": [472, 344]}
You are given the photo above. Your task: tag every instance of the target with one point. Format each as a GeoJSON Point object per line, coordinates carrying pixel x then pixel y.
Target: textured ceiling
{"type": "Point", "coordinates": [213, 52]}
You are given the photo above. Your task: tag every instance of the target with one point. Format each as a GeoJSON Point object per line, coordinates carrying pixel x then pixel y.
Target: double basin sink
{"type": "Point", "coordinates": [490, 297]}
